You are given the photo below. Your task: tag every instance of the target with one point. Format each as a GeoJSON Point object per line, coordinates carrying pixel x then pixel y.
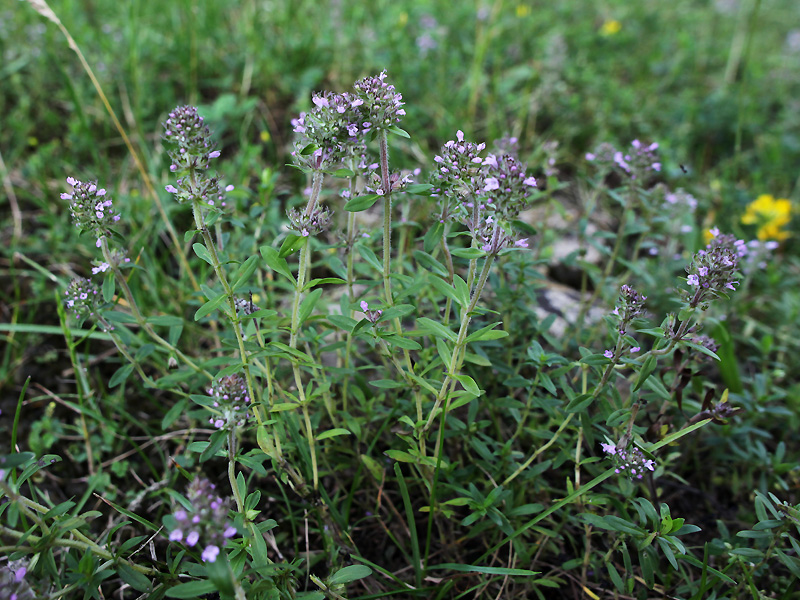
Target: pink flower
{"type": "Point", "coordinates": [210, 553]}
{"type": "Point", "coordinates": [609, 448]}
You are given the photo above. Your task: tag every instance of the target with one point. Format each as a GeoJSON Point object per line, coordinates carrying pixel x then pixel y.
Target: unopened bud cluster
{"type": "Point", "coordinates": [310, 224]}
{"type": "Point", "coordinates": [230, 402]}
{"type": "Point", "coordinates": [206, 523]}
{"type": "Point", "coordinates": [631, 305]}
{"type": "Point", "coordinates": [92, 209]}
{"type": "Point", "coordinates": [189, 138]}
{"type": "Point", "coordinates": [191, 150]}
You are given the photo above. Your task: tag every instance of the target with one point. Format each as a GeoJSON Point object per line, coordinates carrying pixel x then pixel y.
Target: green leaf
{"type": "Point", "coordinates": [487, 570]}
{"type": "Point", "coordinates": [245, 272]}
{"type": "Point", "coordinates": [400, 342]}
{"type": "Point", "coordinates": [647, 369]}
{"type": "Point", "coordinates": [120, 375]}
{"type": "Point", "coordinates": [133, 578]}
{"type": "Point", "coordinates": [469, 384]}
{"type": "Point", "coordinates": [579, 403]}
{"type": "Point", "coordinates": [276, 263]}
{"type": "Point", "coordinates": [348, 574]}
{"type": "Point", "coordinates": [292, 244]}
{"type": "Point", "coordinates": [369, 256]}
{"type": "Point", "coordinates": [397, 131]}
{"type": "Point", "coordinates": [201, 251]}
{"type": "Point", "coordinates": [192, 589]}
{"type": "Point", "coordinates": [433, 237]}
{"type": "Point", "coordinates": [468, 253]}
{"type": "Point", "coordinates": [437, 329]}
{"type": "Point", "coordinates": [307, 305]}
{"type": "Point", "coordinates": [165, 320]}
{"type": "Point", "coordinates": [401, 456]}
{"type": "Point", "coordinates": [342, 322]}
{"type": "Point", "coordinates": [209, 307]}
{"type": "Point", "coordinates": [109, 284]}
{"type": "Point", "coordinates": [361, 203]}
{"type": "Point", "coordinates": [333, 433]}
{"type": "Point", "coordinates": [343, 173]}
{"type": "Point", "coordinates": [594, 360]}
{"type": "Point", "coordinates": [387, 384]}
{"type": "Point", "coordinates": [399, 311]}
{"type": "Point", "coordinates": [420, 189]}
{"type": "Point", "coordinates": [487, 333]}
{"type": "Point", "coordinates": [322, 281]}
{"type": "Point", "coordinates": [218, 438]}
{"type": "Point", "coordinates": [173, 413]}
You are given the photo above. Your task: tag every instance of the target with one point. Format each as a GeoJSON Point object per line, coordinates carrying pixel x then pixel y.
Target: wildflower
{"type": "Point", "coordinates": [770, 216]}
{"type": "Point", "coordinates": [206, 520]}
{"type": "Point", "coordinates": [609, 354]}
{"type": "Point", "coordinates": [629, 461]}
{"type": "Point", "coordinates": [81, 297]}
{"type": "Point", "coordinates": [310, 224]}
{"type": "Point", "coordinates": [92, 209]}
{"type": "Point", "coordinates": [372, 315]}
{"type": "Point", "coordinates": [190, 140]}
{"type": "Point", "coordinates": [611, 27]}
{"type": "Point", "coordinates": [382, 105]}
{"type": "Point", "coordinates": [712, 271]}
{"type": "Point", "coordinates": [631, 306]}
{"type": "Point", "coordinates": [230, 402]}
{"type": "Point", "coordinates": [336, 125]}
{"type": "Point", "coordinates": [638, 163]}
{"type": "Point", "coordinates": [13, 583]}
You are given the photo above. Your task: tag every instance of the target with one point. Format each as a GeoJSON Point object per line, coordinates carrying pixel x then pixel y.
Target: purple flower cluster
{"type": "Point", "coordinates": [117, 259]}
{"type": "Point", "coordinates": [206, 522]}
{"type": "Point", "coordinates": [338, 124]}
{"type": "Point", "coordinates": [191, 151]}
{"type": "Point", "coordinates": [483, 193]}
{"type": "Point", "coordinates": [629, 461]}
{"type": "Point", "coordinates": [680, 200]}
{"type": "Point", "coordinates": [753, 255]}
{"type": "Point", "coordinates": [713, 270]}
{"type": "Point", "coordinates": [506, 185]}
{"type": "Point", "coordinates": [637, 163]}
{"type": "Point", "coordinates": [457, 167]}
{"type": "Point", "coordinates": [92, 209]}
{"type": "Point", "coordinates": [383, 105]}
{"type": "Point", "coordinates": [81, 297]}
{"type": "Point", "coordinates": [13, 584]}
{"type": "Point", "coordinates": [335, 125]}
{"type": "Point", "coordinates": [230, 402]}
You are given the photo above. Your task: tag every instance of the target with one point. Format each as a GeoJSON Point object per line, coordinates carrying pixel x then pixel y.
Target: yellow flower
{"type": "Point", "coordinates": [523, 10]}
{"type": "Point", "coordinates": [611, 27]}
{"type": "Point", "coordinates": [709, 234]}
{"type": "Point", "coordinates": [770, 215]}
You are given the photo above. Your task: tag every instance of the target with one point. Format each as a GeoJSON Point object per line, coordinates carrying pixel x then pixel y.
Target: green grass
{"type": "Point", "coordinates": [510, 494]}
